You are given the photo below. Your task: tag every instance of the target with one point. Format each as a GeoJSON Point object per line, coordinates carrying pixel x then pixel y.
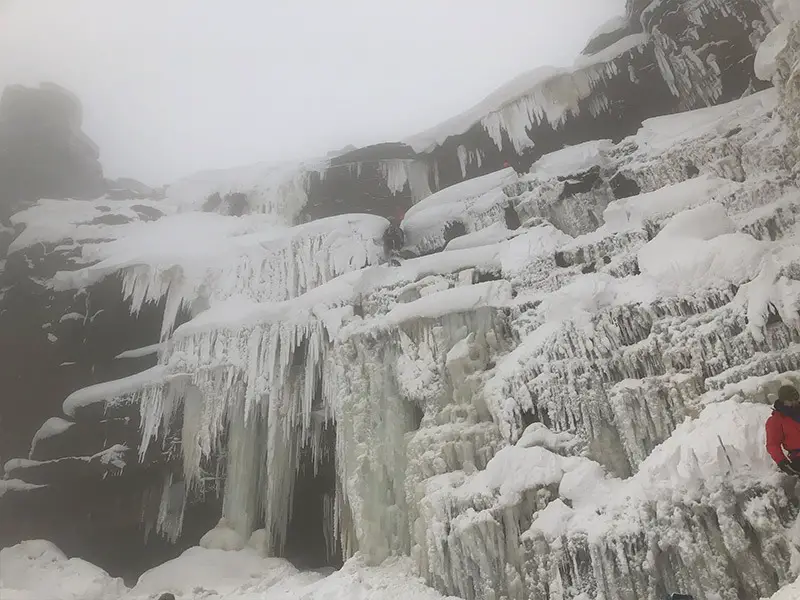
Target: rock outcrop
{"type": "Point", "coordinates": [43, 152]}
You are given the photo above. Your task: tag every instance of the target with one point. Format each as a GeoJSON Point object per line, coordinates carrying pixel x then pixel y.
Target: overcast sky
{"type": "Point", "coordinates": [170, 87]}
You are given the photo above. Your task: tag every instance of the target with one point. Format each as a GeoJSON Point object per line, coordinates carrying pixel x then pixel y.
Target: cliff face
{"type": "Point", "coordinates": [663, 57]}
{"type": "Point", "coordinates": [509, 411]}
{"type": "Point", "coordinates": [43, 152]}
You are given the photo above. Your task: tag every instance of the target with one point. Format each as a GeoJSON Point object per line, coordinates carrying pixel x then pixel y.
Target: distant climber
{"type": "Point", "coordinates": [393, 237]}
{"type": "Point", "coordinates": [783, 431]}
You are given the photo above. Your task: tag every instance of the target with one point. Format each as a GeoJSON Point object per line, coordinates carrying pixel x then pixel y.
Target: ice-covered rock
{"type": "Point", "coordinates": [566, 403]}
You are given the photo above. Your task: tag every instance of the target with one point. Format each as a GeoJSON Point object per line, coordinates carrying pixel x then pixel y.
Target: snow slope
{"type": "Point", "coordinates": [37, 570]}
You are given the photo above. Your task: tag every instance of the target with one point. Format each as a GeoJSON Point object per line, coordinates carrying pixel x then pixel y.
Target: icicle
{"type": "Point", "coordinates": [395, 175]}
{"type": "Point", "coordinates": [463, 160]}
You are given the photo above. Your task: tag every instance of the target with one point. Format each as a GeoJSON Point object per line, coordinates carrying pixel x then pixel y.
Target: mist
{"type": "Point", "coordinates": [170, 88]}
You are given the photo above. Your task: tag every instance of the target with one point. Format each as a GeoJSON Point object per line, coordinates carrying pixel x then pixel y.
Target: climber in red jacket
{"type": "Point", "coordinates": [783, 431]}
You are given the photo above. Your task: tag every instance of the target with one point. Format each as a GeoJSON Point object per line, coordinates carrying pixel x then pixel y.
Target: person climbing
{"type": "Point", "coordinates": [783, 431]}
{"type": "Point", "coordinates": [393, 237]}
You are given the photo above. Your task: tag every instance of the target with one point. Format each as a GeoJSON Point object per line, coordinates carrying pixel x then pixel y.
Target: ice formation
{"type": "Point", "coordinates": [543, 95]}
{"type": "Point", "coordinates": [573, 409]}
{"type": "Point", "coordinates": [413, 174]}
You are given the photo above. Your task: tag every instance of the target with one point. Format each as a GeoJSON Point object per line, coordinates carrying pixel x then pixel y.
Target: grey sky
{"type": "Point", "coordinates": [174, 86]}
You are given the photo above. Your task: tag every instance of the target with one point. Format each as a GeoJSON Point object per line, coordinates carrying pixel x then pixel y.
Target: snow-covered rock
{"type": "Point", "coordinates": [37, 569]}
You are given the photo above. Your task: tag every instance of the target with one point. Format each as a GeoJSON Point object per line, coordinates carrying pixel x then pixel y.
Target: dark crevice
{"type": "Point", "coordinates": [416, 415]}
{"type": "Point", "coordinates": [453, 230]}
{"type": "Point", "coordinates": [482, 276]}
{"type": "Point", "coordinates": [307, 538]}
{"type": "Point", "coordinates": [624, 187]}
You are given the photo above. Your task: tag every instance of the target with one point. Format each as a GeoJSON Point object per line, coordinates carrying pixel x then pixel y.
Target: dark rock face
{"type": "Point", "coordinates": [356, 187]}
{"type": "Point", "coordinates": [43, 152]}
{"type": "Point", "coordinates": [92, 490]}
{"type": "Point", "coordinates": [53, 343]}
{"type": "Point", "coordinates": [706, 52]}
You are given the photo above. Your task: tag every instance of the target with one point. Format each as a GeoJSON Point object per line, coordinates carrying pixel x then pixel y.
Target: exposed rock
{"type": "Point", "coordinates": [43, 152]}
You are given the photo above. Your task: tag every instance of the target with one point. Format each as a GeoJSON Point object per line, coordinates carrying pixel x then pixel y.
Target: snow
{"type": "Point", "coordinates": [493, 294]}
{"type": "Point", "coordinates": [196, 259]}
{"type": "Point", "coordinates": [278, 189]}
{"type": "Point", "coordinates": [115, 456]}
{"type": "Point", "coordinates": [52, 427]}
{"type": "Point", "coordinates": [37, 570]}
{"type": "Point", "coordinates": [515, 469]}
{"type": "Point", "coordinates": [510, 255]}
{"type": "Point", "coordinates": [767, 54]}
{"type": "Point", "coordinates": [660, 134]}
{"type": "Point", "coordinates": [700, 249]}
{"type": "Point", "coordinates": [140, 352]}
{"type": "Point", "coordinates": [72, 316]}
{"type": "Point", "coordinates": [537, 434]}
{"type": "Point", "coordinates": [469, 202]}
{"type": "Point", "coordinates": [632, 213]}
{"type": "Point", "coordinates": [551, 521]}
{"type": "Point", "coordinates": [496, 232]}
{"type": "Point", "coordinates": [786, 9]}
{"type": "Point", "coordinates": [463, 192]}
{"type": "Point", "coordinates": [112, 390]}
{"type": "Point", "coordinates": [571, 160]}
{"type": "Point", "coordinates": [613, 51]}
{"type": "Point", "coordinates": [222, 537]}
{"type": "Point", "coordinates": [524, 249]}
{"type": "Point", "coordinates": [723, 446]}
{"type": "Point", "coordinates": [215, 571]}
{"type": "Point", "coordinates": [16, 485]}
{"type": "Point", "coordinates": [52, 221]}
{"type": "Point", "coordinates": [769, 290]}
{"type": "Point", "coordinates": [788, 592]}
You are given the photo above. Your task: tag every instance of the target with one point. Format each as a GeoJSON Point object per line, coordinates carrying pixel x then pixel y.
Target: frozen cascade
{"type": "Point", "coordinates": [243, 387]}
{"type": "Point", "coordinates": [468, 157]}
{"type": "Point", "coordinates": [413, 174]}
{"type": "Point", "coordinates": [554, 415]}
{"type": "Point", "coordinates": [543, 95]}
{"type": "Point", "coordinates": [557, 97]}
{"type": "Point", "coordinates": [279, 264]}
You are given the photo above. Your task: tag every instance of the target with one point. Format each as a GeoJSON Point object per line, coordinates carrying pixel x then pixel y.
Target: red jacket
{"type": "Point", "coordinates": [783, 432]}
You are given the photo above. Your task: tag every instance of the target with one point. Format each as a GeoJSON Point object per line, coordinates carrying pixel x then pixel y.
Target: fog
{"type": "Point", "coordinates": [170, 87]}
